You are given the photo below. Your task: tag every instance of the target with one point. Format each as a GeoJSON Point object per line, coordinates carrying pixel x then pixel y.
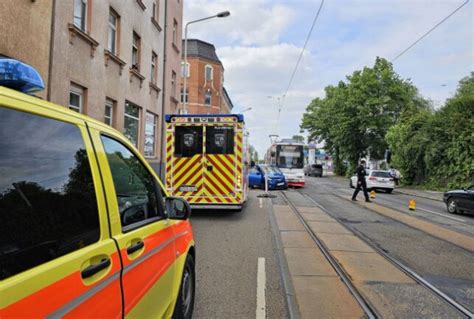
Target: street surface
{"type": "Point", "coordinates": [396, 263]}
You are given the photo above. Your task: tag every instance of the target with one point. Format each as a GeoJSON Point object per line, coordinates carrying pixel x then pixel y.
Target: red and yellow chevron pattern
{"type": "Point", "coordinates": [206, 178]}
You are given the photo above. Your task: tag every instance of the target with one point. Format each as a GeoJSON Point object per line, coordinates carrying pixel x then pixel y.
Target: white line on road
{"type": "Point", "coordinates": [261, 202]}
{"type": "Point", "coordinates": [442, 215]}
{"type": "Point", "coordinates": [261, 288]}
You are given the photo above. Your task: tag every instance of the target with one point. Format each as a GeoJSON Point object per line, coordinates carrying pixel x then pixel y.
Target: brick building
{"type": "Point", "coordinates": [103, 58]}
{"type": "Point", "coordinates": [205, 83]}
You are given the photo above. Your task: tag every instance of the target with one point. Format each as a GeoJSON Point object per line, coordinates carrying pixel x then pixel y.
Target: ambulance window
{"type": "Point", "coordinates": [136, 189]}
{"type": "Point", "coordinates": [188, 141]}
{"type": "Point", "coordinates": [48, 206]}
{"type": "Point", "coordinates": [219, 140]}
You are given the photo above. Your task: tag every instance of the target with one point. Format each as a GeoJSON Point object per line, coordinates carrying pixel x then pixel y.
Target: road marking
{"type": "Point", "coordinates": [261, 202]}
{"type": "Point", "coordinates": [442, 215]}
{"type": "Point", "coordinates": [261, 282]}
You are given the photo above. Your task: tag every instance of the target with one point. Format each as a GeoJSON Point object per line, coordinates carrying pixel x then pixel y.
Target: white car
{"type": "Point", "coordinates": [376, 179]}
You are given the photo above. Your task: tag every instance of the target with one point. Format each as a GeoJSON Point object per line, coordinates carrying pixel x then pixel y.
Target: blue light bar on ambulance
{"type": "Point", "coordinates": [20, 76]}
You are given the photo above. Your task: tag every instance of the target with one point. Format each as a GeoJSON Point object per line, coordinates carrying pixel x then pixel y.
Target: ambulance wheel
{"type": "Point", "coordinates": [185, 303]}
{"type": "Point", "coordinates": [389, 191]}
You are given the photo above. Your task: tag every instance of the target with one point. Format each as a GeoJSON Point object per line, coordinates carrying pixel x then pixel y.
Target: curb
{"type": "Point", "coordinates": [418, 195]}
{"type": "Point", "coordinates": [290, 295]}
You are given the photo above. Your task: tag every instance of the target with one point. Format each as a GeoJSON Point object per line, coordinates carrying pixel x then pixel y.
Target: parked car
{"type": "Point", "coordinates": [460, 200]}
{"type": "Point", "coordinates": [376, 180]}
{"type": "Point", "coordinates": [313, 170]}
{"type": "Point", "coordinates": [87, 229]}
{"type": "Point", "coordinates": [276, 179]}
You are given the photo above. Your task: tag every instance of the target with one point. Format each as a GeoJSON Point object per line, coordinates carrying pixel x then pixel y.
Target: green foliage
{"type": "Point", "coordinates": [437, 148]}
{"type": "Point", "coordinates": [253, 154]}
{"type": "Point", "coordinates": [354, 116]}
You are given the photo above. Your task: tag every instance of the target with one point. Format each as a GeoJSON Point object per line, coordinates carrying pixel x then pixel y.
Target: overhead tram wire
{"type": "Point", "coordinates": [298, 62]}
{"type": "Point", "coordinates": [430, 30]}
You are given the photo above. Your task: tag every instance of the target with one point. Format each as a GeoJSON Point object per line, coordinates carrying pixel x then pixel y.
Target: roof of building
{"type": "Point", "coordinates": [199, 48]}
{"type": "Point", "coordinates": [227, 98]}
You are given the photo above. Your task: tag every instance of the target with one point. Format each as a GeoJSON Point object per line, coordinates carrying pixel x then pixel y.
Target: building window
{"type": "Point", "coordinates": [131, 122]}
{"type": "Point", "coordinates": [209, 72]}
{"type": "Point", "coordinates": [80, 14]}
{"type": "Point", "coordinates": [208, 97]}
{"type": "Point", "coordinates": [185, 70]}
{"type": "Point", "coordinates": [173, 84]}
{"type": "Point", "coordinates": [156, 11]}
{"type": "Point", "coordinates": [154, 60]}
{"type": "Point", "coordinates": [109, 112]}
{"type": "Point", "coordinates": [184, 96]}
{"type": "Point", "coordinates": [136, 52]}
{"type": "Point", "coordinates": [76, 98]}
{"type": "Point", "coordinates": [175, 32]}
{"type": "Point", "coordinates": [150, 134]}
{"type": "Point", "coordinates": [113, 32]}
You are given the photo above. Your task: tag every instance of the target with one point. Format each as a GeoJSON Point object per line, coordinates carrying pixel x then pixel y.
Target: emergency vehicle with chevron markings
{"type": "Point", "coordinates": [206, 160]}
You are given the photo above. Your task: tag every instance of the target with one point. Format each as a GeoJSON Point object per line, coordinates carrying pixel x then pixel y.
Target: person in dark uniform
{"type": "Point", "coordinates": [361, 183]}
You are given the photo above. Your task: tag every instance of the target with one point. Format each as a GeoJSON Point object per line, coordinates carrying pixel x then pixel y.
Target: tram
{"type": "Point", "coordinates": [207, 160]}
{"type": "Point", "coordinates": [288, 156]}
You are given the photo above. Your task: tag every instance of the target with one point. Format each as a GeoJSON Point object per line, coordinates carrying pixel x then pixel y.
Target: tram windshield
{"type": "Point", "coordinates": [290, 156]}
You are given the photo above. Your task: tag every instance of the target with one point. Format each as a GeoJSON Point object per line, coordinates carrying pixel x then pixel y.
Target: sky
{"type": "Point", "coordinates": [259, 44]}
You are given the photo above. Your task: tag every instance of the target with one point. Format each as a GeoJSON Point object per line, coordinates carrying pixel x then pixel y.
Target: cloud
{"type": "Point", "coordinates": [250, 23]}
{"type": "Point", "coordinates": [261, 40]}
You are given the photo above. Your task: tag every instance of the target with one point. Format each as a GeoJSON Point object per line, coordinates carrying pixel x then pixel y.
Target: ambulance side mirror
{"type": "Point", "coordinates": [177, 208]}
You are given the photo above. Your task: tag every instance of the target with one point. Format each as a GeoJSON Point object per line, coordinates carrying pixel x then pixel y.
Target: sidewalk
{"type": "Point", "coordinates": [433, 195]}
{"type": "Point", "coordinates": [438, 196]}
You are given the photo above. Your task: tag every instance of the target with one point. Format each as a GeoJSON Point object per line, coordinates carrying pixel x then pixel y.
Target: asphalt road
{"type": "Point", "coordinates": [444, 264]}
{"type": "Point", "coordinates": [229, 245]}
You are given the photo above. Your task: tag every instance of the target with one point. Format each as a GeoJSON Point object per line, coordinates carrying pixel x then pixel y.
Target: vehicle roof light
{"type": "Point", "coordinates": [20, 76]}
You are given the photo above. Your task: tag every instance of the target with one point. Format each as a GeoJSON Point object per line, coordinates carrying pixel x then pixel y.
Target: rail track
{"type": "Point", "coordinates": [364, 303]}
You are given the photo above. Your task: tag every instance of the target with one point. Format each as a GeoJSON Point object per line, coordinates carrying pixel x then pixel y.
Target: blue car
{"type": "Point", "coordinates": [276, 179]}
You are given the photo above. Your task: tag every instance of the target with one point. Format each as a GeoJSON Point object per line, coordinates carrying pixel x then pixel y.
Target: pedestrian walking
{"type": "Point", "coordinates": [361, 183]}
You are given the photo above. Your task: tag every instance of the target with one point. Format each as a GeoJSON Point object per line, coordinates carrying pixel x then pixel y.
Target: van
{"type": "Point", "coordinates": [87, 229]}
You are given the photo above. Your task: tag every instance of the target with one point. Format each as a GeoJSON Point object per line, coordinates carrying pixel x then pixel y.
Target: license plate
{"type": "Point", "coordinates": [187, 188]}
{"type": "Point", "coordinates": [280, 184]}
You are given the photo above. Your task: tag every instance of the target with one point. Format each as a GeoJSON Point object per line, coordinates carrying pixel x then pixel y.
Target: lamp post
{"type": "Point", "coordinates": [222, 14]}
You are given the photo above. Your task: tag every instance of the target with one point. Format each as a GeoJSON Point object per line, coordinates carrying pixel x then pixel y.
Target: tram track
{"type": "Point", "coordinates": [394, 261]}
{"type": "Point", "coordinates": [361, 300]}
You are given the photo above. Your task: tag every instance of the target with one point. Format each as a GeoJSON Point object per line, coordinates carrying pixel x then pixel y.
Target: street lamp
{"type": "Point", "coordinates": [222, 14]}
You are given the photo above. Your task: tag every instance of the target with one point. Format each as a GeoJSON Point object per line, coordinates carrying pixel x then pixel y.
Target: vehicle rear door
{"type": "Point", "coordinates": [56, 255]}
{"type": "Point", "coordinates": [187, 167]}
{"type": "Point", "coordinates": [220, 161]}
{"type": "Point", "coordinates": [143, 233]}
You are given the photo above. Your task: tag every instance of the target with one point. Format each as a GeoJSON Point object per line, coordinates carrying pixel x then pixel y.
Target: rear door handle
{"type": "Point", "coordinates": [95, 268]}
{"type": "Point", "coordinates": [135, 247]}
{"type": "Point", "coordinates": [209, 168]}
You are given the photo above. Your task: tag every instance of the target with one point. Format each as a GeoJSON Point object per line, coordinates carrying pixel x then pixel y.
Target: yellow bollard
{"type": "Point", "coordinates": [411, 204]}
{"type": "Point", "coordinates": [372, 194]}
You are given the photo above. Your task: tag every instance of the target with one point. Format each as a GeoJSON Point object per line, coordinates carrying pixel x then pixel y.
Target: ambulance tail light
{"type": "Point", "coordinates": [20, 76]}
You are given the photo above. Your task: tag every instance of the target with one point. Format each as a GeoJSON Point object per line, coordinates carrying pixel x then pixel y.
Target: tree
{"type": "Point", "coordinates": [253, 154]}
{"type": "Point", "coordinates": [435, 148]}
{"type": "Point", "coordinates": [354, 116]}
